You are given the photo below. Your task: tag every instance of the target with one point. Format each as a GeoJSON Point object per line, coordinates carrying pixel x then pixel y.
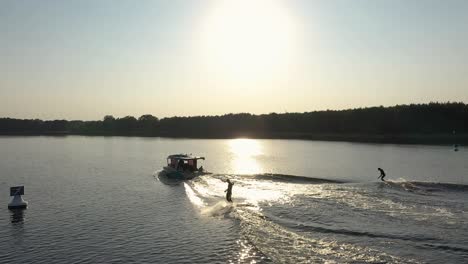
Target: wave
{"type": "Point", "coordinates": [285, 246]}
{"type": "Point", "coordinates": [292, 178]}
{"type": "Point", "coordinates": [426, 187]}
{"type": "Point", "coordinates": [445, 247]}
{"type": "Point", "coordinates": [273, 240]}
{"type": "Point", "coordinates": [437, 186]}
{"type": "Point", "coordinates": [296, 219]}
{"type": "Point", "coordinates": [325, 230]}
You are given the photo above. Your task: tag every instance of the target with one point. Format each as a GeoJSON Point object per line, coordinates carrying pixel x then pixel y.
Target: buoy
{"type": "Point", "coordinates": [17, 201]}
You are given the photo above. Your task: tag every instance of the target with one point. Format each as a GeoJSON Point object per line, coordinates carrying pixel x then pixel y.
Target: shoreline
{"type": "Point", "coordinates": [409, 139]}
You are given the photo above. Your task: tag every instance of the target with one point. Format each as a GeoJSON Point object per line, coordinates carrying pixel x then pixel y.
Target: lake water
{"type": "Point", "coordinates": [100, 200]}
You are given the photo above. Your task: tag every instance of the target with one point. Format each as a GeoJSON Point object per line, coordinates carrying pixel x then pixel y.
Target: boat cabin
{"type": "Point", "coordinates": [184, 162]}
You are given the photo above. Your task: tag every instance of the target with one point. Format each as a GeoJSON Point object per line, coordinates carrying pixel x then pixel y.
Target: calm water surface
{"type": "Point", "coordinates": [101, 200]}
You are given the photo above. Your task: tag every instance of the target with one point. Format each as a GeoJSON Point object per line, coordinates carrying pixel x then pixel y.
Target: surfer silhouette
{"type": "Point", "coordinates": [382, 174]}
{"type": "Point", "coordinates": [228, 191]}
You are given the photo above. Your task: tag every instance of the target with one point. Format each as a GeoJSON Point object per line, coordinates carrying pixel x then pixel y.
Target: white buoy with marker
{"type": "Point", "coordinates": [17, 201]}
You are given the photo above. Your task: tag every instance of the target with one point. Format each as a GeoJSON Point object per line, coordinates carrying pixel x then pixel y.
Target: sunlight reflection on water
{"type": "Point", "coordinates": [244, 156]}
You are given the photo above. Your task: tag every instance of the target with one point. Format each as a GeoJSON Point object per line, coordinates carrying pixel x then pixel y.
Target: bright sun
{"type": "Point", "coordinates": [247, 36]}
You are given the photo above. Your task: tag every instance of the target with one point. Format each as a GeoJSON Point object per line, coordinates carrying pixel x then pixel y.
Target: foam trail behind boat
{"type": "Point", "coordinates": [193, 196]}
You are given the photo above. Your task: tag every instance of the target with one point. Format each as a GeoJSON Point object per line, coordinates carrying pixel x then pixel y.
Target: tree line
{"type": "Point", "coordinates": [414, 119]}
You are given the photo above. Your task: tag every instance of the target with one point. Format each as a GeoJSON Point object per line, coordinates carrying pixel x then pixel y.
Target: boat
{"type": "Point", "coordinates": [183, 167]}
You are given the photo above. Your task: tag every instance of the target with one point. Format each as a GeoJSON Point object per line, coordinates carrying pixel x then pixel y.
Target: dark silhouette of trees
{"type": "Point", "coordinates": [148, 124]}
{"type": "Point", "coordinates": [433, 122]}
{"type": "Point", "coordinates": [126, 124]}
{"type": "Point", "coordinates": [108, 123]}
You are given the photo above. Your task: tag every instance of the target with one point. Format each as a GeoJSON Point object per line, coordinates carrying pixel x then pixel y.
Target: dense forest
{"type": "Point", "coordinates": [415, 123]}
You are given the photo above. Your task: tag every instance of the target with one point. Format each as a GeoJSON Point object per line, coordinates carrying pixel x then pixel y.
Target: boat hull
{"type": "Point", "coordinates": [172, 173]}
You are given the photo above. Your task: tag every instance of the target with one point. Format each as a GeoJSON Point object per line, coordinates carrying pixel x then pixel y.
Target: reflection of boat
{"type": "Point", "coordinates": [17, 216]}
{"type": "Point", "coordinates": [183, 167]}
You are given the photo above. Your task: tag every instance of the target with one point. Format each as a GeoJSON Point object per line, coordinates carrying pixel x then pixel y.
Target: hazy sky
{"type": "Point", "coordinates": [85, 59]}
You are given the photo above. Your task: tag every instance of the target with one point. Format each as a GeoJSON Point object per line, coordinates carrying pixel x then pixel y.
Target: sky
{"type": "Point", "coordinates": [86, 59]}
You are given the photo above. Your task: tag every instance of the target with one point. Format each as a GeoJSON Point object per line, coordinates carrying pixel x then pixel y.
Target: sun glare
{"type": "Point", "coordinates": [245, 147]}
{"type": "Point", "coordinates": [247, 37]}
{"type": "Point", "coordinates": [244, 153]}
